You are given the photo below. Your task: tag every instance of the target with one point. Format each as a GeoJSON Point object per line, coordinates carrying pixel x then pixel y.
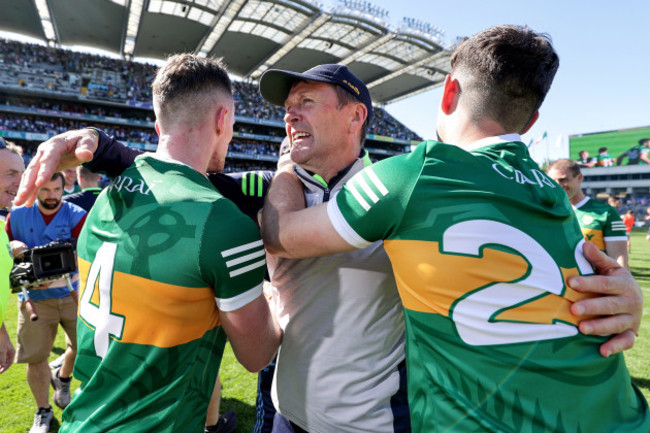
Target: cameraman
{"type": "Point", "coordinates": [51, 220]}
{"type": "Point", "coordinates": [11, 169]}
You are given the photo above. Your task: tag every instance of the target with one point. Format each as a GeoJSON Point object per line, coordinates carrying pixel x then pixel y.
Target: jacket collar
{"type": "Point", "coordinates": [312, 179]}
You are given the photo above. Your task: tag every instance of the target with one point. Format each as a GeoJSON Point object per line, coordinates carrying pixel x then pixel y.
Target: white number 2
{"type": "Point", "coordinates": [100, 316]}
{"type": "Point", "coordinates": [473, 314]}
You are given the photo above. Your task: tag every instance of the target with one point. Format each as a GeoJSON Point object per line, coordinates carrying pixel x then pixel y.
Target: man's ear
{"type": "Point", "coordinates": [157, 128]}
{"type": "Point", "coordinates": [221, 116]}
{"type": "Point", "coordinates": [359, 115]}
{"type": "Point", "coordinates": [531, 122]}
{"type": "Point", "coordinates": [450, 95]}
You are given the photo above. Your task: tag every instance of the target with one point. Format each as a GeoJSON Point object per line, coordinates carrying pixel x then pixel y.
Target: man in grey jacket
{"type": "Point", "coordinates": [341, 363]}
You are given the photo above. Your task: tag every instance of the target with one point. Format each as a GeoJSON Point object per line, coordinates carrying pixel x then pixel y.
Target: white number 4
{"type": "Point", "coordinates": [100, 316]}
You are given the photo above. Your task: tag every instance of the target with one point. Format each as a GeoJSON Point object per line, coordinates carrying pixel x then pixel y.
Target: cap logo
{"type": "Point", "coordinates": [352, 86]}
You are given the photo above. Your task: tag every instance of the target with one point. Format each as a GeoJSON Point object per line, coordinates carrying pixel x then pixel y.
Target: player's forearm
{"type": "Point", "coordinates": [290, 231]}
{"type": "Point", "coordinates": [284, 197]}
{"type": "Point", "coordinates": [618, 251]}
{"type": "Point", "coordinates": [259, 354]}
{"type": "Point", "coordinates": [253, 334]}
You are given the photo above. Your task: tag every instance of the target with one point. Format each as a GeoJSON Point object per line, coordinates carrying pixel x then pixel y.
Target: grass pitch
{"type": "Point", "coordinates": [239, 386]}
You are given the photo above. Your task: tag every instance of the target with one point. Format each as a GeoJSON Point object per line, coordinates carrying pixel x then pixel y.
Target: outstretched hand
{"type": "Point", "coordinates": [621, 307]}
{"type": "Point", "coordinates": [62, 151]}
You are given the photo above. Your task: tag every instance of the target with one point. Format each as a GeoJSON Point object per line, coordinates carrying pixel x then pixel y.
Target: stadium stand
{"type": "Point", "coordinates": [45, 91]}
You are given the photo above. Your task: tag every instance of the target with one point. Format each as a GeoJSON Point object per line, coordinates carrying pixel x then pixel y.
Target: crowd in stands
{"type": "Point", "coordinates": [54, 126]}
{"type": "Point", "coordinates": [71, 107]}
{"type": "Point", "coordinates": [107, 78]}
{"type": "Point", "coordinates": [250, 103]}
{"type": "Point", "coordinates": [256, 129]}
{"type": "Point", "coordinates": [99, 77]}
{"type": "Point", "coordinates": [33, 124]}
{"type": "Point", "coordinates": [234, 166]}
{"type": "Point", "coordinates": [253, 147]}
{"type": "Point", "coordinates": [383, 123]}
{"type": "Point", "coordinates": [53, 106]}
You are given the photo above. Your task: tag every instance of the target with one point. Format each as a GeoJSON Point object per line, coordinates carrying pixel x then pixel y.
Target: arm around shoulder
{"type": "Point", "coordinates": [290, 230]}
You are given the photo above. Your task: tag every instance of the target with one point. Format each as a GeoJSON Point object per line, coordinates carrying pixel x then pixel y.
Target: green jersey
{"type": "Point", "coordinates": [75, 189]}
{"type": "Point", "coordinates": [600, 223]}
{"type": "Point", "coordinates": [6, 263]}
{"type": "Point", "coordinates": [157, 248]}
{"type": "Point", "coordinates": [481, 245]}
{"type": "Point", "coordinates": [634, 154]}
{"type": "Point", "coordinates": [604, 160]}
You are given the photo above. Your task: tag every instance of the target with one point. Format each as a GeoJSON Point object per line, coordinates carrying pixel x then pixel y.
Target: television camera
{"type": "Point", "coordinates": [42, 265]}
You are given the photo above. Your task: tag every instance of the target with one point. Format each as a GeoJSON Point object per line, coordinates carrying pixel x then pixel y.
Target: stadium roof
{"type": "Point", "coordinates": [252, 36]}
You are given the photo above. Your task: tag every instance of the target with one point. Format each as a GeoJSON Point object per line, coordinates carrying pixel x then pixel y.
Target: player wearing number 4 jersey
{"type": "Point", "coordinates": [481, 243]}
{"type": "Point", "coordinates": [160, 245]}
{"type": "Point", "coordinates": [143, 287]}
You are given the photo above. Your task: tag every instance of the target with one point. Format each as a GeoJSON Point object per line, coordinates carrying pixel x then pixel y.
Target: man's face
{"type": "Point", "coordinates": [570, 183]}
{"type": "Point", "coordinates": [70, 175]}
{"type": "Point", "coordinates": [11, 168]}
{"type": "Point", "coordinates": [218, 160]}
{"type": "Point", "coordinates": [315, 124]}
{"type": "Point", "coordinates": [49, 195]}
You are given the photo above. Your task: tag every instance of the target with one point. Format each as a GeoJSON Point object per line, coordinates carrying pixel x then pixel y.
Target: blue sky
{"type": "Point", "coordinates": [604, 46]}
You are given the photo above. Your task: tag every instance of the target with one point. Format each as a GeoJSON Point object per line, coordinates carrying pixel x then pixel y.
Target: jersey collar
{"type": "Point", "coordinates": [506, 138]}
{"type": "Point", "coordinates": [581, 203]}
{"type": "Point", "coordinates": [363, 155]}
{"type": "Point", "coordinates": [166, 158]}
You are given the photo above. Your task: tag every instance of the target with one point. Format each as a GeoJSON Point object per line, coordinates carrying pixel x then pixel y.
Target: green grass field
{"type": "Point", "coordinates": [239, 386]}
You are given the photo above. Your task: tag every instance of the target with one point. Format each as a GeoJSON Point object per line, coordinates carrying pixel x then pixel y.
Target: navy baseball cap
{"type": "Point", "coordinates": [275, 84]}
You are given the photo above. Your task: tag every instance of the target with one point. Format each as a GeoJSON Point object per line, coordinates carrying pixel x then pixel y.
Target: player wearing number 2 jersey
{"type": "Point", "coordinates": [161, 244]}
{"type": "Point", "coordinates": [482, 284]}
{"type": "Point", "coordinates": [481, 243]}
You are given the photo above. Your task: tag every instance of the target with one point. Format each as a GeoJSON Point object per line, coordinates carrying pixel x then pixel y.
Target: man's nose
{"type": "Point", "coordinates": [292, 114]}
